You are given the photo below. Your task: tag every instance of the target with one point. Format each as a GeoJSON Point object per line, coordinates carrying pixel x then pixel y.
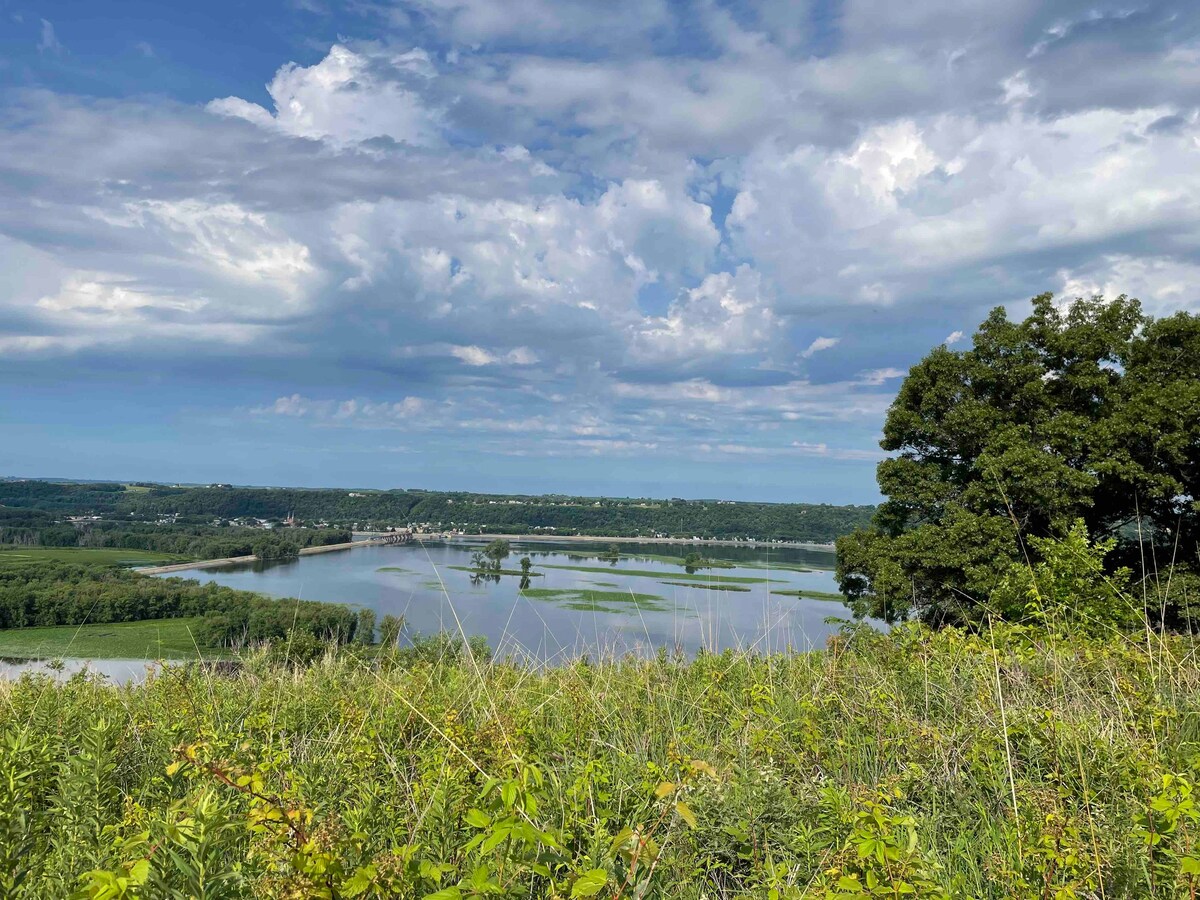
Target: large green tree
{"type": "Point", "coordinates": [1086, 411]}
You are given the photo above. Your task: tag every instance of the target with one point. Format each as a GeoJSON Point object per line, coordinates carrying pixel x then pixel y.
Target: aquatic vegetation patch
{"type": "Point", "coordinates": [785, 566]}
{"type": "Point", "coordinates": [398, 570]}
{"type": "Point", "coordinates": [810, 595]}
{"type": "Point", "coordinates": [476, 570]}
{"type": "Point", "coordinates": [708, 563]}
{"type": "Point", "coordinates": [646, 573]}
{"type": "Point", "coordinates": [708, 587]}
{"type": "Point", "coordinates": [600, 601]}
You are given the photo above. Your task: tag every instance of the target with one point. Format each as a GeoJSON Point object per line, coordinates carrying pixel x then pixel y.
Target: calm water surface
{"type": "Point", "coordinates": [626, 607]}
{"type": "Point", "coordinates": [118, 670]}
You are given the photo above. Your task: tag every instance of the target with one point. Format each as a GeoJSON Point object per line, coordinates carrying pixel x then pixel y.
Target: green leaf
{"type": "Point", "coordinates": [497, 837]}
{"type": "Point", "coordinates": [450, 893]}
{"type": "Point", "coordinates": [140, 871]}
{"type": "Point", "coordinates": [508, 793]}
{"type": "Point", "coordinates": [589, 884]}
{"type": "Point", "coordinates": [477, 818]}
{"type": "Point", "coordinates": [685, 813]}
{"type": "Point", "coordinates": [359, 881]}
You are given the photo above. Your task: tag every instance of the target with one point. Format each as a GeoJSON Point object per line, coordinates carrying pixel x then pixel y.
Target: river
{"type": "Point", "coordinates": [626, 606]}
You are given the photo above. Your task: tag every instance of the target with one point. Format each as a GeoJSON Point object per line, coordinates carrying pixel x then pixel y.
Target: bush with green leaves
{"type": "Point", "coordinates": [1086, 411]}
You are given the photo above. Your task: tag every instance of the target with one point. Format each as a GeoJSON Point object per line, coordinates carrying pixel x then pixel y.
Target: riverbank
{"type": "Point", "coordinates": [602, 539]}
{"type": "Point", "coordinates": [241, 560]}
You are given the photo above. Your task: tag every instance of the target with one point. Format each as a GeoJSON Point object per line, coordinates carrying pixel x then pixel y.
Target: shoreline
{"type": "Point", "coordinates": [374, 538]}
{"type": "Point", "coordinates": [241, 560]}
{"type": "Point", "coordinates": [593, 539]}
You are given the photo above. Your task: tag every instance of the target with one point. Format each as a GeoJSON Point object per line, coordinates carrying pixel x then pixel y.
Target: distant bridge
{"type": "Point", "coordinates": [403, 536]}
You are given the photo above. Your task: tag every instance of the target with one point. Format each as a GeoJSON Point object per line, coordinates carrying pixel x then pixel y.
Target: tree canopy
{"type": "Point", "coordinates": [1082, 413]}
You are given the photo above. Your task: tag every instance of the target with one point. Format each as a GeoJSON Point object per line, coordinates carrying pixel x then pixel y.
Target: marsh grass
{"type": "Point", "coordinates": [811, 595]}
{"type": "Point", "coordinates": [152, 639]}
{"type": "Point", "coordinates": [86, 556]}
{"type": "Point", "coordinates": [647, 573]}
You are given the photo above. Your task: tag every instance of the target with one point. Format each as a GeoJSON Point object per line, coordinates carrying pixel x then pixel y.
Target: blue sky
{"type": "Point", "coordinates": [682, 249]}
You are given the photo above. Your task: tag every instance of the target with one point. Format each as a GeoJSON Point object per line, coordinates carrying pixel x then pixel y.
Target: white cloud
{"type": "Point", "coordinates": [918, 198]}
{"type": "Point", "coordinates": [819, 344]}
{"type": "Point", "coordinates": [230, 241]}
{"type": "Point", "coordinates": [346, 98]}
{"type": "Point", "coordinates": [727, 313]}
{"type": "Point", "coordinates": [530, 218]}
{"type": "Point", "coordinates": [477, 356]}
{"type": "Point", "coordinates": [354, 411]}
{"type": "Point", "coordinates": [879, 376]}
{"type": "Point", "coordinates": [48, 42]}
{"type": "Point", "coordinates": [1163, 285]}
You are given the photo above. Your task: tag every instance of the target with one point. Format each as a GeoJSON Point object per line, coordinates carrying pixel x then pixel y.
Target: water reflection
{"type": "Point", "coordinates": [119, 671]}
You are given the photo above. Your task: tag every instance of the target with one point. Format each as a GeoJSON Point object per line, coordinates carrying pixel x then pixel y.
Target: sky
{"type": "Point", "coordinates": [626, 248]}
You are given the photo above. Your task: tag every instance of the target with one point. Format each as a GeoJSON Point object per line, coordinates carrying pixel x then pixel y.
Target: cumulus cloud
{"type": "Point", "coordinates": [1163, 284]}
{"type": "Point", "coordinates": [727, 313]}
{"type": "Point", "coordinates": [622, 231]}
{"type": "Point", "coordinates": [347, 97]}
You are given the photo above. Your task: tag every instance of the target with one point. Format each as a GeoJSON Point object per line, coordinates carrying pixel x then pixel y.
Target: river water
{"type": "Point", "coordinates": [626, 606]}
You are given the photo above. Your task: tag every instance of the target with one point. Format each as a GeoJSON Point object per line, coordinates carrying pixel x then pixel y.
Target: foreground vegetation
{"type": "Point", "coordinates": [915, 764]}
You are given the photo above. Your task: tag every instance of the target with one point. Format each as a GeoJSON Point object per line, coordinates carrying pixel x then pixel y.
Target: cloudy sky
{"type": "Point", "coordinates": [611, 247]}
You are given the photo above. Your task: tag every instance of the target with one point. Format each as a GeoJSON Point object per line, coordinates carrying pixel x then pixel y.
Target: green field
{"type": "Point", "coordinates": [154, 639]}
{"type": "Point", "coordinates": [86, 556]}
{"type": "Point", "coordinates": [645, 573]}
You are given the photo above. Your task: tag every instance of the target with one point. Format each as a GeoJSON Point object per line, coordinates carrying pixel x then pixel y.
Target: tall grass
{"type": "Point", "coordinates": [917, 763]}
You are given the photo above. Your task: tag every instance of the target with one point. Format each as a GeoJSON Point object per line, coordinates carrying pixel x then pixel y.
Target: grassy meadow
{"type": "Point", "coordinates": [151, 639]}
{"type": "Point", "coordinates": [1010, 764]}
{"type": "Point", "coordinates": [86, 556]}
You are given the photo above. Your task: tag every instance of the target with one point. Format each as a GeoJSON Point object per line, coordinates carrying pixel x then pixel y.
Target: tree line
{"type": "Point", "coordinates": [39, 528]}
{"type": "Point", "coordinates": [53, 593]}
{"type": "Point", "coordinates": [517, 514]}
